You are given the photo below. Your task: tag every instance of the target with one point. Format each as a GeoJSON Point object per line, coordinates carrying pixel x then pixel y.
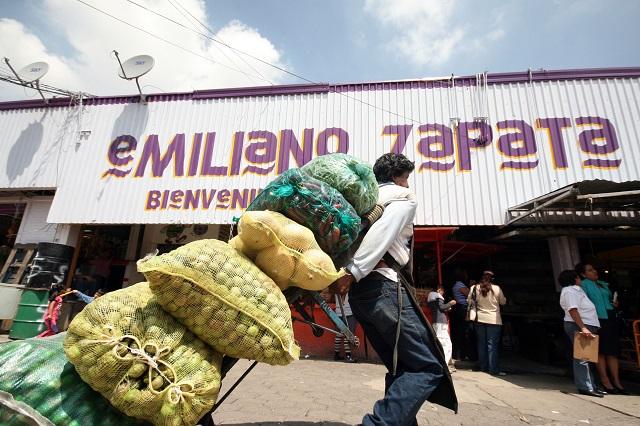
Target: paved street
{"type": "Point", "coordinates": [311, 392]}
{"type": "Point", "coordinates": [315, 392]}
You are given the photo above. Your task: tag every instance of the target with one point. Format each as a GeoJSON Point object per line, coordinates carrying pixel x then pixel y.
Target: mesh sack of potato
{"type": "Point", "coordinates": [313, 204]}
{"type": "Point", "coordinates": [353, 178]}
{"type": "Point", "coordinates": [284, 250]}
{"type": "Point", "coordinates": [38, 377]}
{"type": "Point", "coordinates": [149, 366]}
{"type": "Point", "coordinates": [224, 298]}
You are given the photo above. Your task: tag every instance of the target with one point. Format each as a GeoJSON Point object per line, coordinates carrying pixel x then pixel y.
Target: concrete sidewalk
{"type": "Point", "coordinates": [310, 392]}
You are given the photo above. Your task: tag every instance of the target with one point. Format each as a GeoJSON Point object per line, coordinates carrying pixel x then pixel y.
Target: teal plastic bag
{"type": "Point", "coordinates": [314, 204]}
{"type": "Point", "coordinates": [353, 178]}
{"type": "Point", "coordinates": [36, 373]}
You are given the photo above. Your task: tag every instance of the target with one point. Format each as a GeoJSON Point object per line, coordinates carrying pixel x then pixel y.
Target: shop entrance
{"type": "Point", "coordinates": [101, 258]}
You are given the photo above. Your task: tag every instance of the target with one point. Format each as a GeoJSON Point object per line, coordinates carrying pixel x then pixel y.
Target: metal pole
{"type": "Point", "coordinates": [562, 196]}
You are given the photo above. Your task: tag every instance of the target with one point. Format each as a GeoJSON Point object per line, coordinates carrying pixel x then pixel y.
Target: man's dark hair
{"type": "Point", "coordinates": [567, 277]}
{"type": "Point", "coordinates": [581, 268]}
{"type": "Point", "coordinates": [391, 165]}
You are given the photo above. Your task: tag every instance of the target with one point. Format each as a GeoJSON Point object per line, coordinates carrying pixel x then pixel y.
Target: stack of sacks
{"type": "Point", "coordinates": [324, 200]}
{"type": "Point", "coordinates": [284, 250]}
{"type": "Point", "coordinates": [225, 300]}
{"type": "Point", "coordinates": [149, 366]}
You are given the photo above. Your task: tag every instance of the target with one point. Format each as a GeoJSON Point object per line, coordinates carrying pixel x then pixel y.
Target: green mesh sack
{"type": "Point", "coordinates": [36, 373]}
{"type": "Point", "coordinates": [313, 204]}
{"type": "Point", "coordinates": [149, 366]}
{"type": "Point", "coordinates": [222, 297]}
{"type": "Point", "coordinates": [353, 178]}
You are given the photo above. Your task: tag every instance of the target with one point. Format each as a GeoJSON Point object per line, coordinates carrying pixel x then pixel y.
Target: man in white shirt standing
{"type": "Point", "coordinates": [580, 316]}
{"type": "Point", "coordinates": [383, 304]}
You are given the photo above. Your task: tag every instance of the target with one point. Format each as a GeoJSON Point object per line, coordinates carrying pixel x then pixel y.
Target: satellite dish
{"type": "Point", "coordinates": [136, 67]}
{"type": "Point", "coordinates": [33, 72]}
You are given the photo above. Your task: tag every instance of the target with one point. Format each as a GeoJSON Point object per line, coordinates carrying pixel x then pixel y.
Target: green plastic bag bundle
{"type": "Point", "coordinates": [142, 360]}
{"type": "Point", "coordinates": [313, 204]}
{"type": "Point", "coordinates": [222, 297]}
{"type": "Point", "coordinates": [36, 373]}
{"type": "Point", "coordinates": [353, 178]}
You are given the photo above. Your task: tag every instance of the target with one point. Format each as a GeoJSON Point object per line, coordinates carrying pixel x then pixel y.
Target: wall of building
{"type": "Point", "coordinates": [479, 148]}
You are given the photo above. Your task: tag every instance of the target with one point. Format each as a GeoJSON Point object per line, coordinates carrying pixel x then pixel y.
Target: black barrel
{"type": "Point", "coordinates": [49, 266]}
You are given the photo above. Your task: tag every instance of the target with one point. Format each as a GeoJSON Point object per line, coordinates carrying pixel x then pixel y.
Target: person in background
{"type": "Point", "coordinates": [440, 322]}
{"type": "Point", "coordinates": [52, 313]}
{"type": "Point", "coordinates": [339, 340]}
{"type": "Point", "coordinates": [609, 347]}
{"type": "Point", "coordinates": [85, 298]}
{"type": "Point", "coordinates": [579, 317]}
{"type": "Point", "coordinates": [459, 325]}
{"type": "Point", "coordinates": [488, 325]}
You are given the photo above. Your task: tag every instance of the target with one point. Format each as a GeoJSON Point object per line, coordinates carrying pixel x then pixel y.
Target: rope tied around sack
{"type": "Point", "coordinates": [176, 394]}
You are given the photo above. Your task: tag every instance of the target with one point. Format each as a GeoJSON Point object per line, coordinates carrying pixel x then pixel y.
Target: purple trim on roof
{"type": "Point", "coordinates": [296, 89]}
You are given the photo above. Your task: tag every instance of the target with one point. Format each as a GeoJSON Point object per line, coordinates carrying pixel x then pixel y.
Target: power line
{"type": "Point", "coordinates": [218, 41]}
{"type": "Point", "coordinates": [230, 47]}
{"type": "Point", "coordinates": [218, 48]}
{"type": "Point", "coordinates": [203, 25]}
{"type": "Point", "coordinates": [160, 38]}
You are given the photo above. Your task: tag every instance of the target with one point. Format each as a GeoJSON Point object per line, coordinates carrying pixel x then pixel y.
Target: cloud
{"type": "Point", "coordinates": [89, 65]}
{"type": "Point", "coordinates": [429, 32]}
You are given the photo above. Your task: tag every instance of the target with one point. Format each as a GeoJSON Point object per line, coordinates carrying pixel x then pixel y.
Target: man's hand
{"type": "Point", "coordinates": [341, 285]}
{"type": "Point", "coordinates": [586, 333]}
{"type": "Point", "coordinates": [453, 302]}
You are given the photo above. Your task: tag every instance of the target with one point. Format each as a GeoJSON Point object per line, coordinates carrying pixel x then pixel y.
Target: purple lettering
{"type": "Point", "coordinates": [236, 155]}
{"type": "Point", "coordinates": [207, 197]}
{"type": "Point", "coordinates": [165, 199]}
{"type": "Point", "coordinates": [289, 145]}
{"type": "Point", "coordinates": [207, 168]}
{"type": "Point", "coordinates": [483, 136]}
{"type": "Point", "coordinates": [554, 128]}
{"type": "Point", "coordinates": [159, 164]}
{"type": "Point", "coordinates": [440, 137]}
{"type": "Point", "coordinates": [333, 132]}
{"type": "Point", "coordinates": [401, 133]}
{"type": "Point", "coordinates": [191, 200]}
{"type": "Point", "coordinates": [223, 199]}
{"type": "Point", "coordinates": [263, 152]}
{"type": "Point", "coordinates": [176, 199]}
{"type": "Point", "coordinates": [240, 198]}
{"type": "Point", "coordinates": [519, 142]}
{"type": "Point", "coordinates": [121, 145]}
{"type": "Point", "coordinates": [153, 200]}
{"type": "Point", "coordinates": [195, 154]}
{"type": "Point", "coordinates": [589, 139]}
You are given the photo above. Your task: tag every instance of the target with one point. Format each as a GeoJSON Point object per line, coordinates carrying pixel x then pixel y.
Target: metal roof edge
{"type": "Point", "coordinates": [291, 89]}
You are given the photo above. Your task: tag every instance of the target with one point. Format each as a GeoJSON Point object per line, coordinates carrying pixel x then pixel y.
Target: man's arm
{"type": "Point", "coordinates": [380, 236]}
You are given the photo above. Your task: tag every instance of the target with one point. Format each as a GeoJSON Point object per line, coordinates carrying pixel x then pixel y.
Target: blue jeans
{"type": "Point", "coordinates": [582, 373]}
{"type": "Point", "coordinates": [488, 336]}
{"type": "Point", "coordinates": [374, 302]}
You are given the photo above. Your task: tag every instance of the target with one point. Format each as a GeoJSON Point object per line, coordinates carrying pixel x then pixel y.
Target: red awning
{"type": "Point", "coordinates": [431, 234]}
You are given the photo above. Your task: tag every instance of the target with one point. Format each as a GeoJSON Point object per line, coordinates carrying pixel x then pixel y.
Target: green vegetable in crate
{"type": "Point", "coordinates": [284, 250]}
{"type": "Point", "coordinates": [353, 178]}
{"type": "Point", "coordinates": [224, 298]}
{"type": "Point", "coordinates": [149, 366]}
{"type": "Point", "coordinates": [36, 372]}
{"type": "Point", "coordinates": [313, 204]}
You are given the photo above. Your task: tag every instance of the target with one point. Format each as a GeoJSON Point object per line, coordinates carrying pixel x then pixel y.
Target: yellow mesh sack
{"type": "Point", "coordinates": [142, 360]}
{"type": "Point", "coordinates": [284, 250]}
{"type": "Point", "coordinates": [223, 298]}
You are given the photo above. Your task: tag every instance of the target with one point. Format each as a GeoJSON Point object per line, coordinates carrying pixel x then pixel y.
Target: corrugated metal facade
{"type": "Point", "coordinates": [512, 142]}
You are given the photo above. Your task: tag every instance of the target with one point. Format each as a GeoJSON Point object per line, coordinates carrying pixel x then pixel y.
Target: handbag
{"type": "Point", "coordinates": [472, 309]}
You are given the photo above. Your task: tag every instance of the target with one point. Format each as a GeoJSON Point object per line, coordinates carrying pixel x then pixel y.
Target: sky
{"type": "Point", "coordinates": [328, 41]}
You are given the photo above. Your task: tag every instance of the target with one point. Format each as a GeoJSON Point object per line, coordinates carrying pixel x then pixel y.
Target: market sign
{"type": "Point", "coordinates": [268, 153]}
{"type": "Point", "coordinates": [204, 162]}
